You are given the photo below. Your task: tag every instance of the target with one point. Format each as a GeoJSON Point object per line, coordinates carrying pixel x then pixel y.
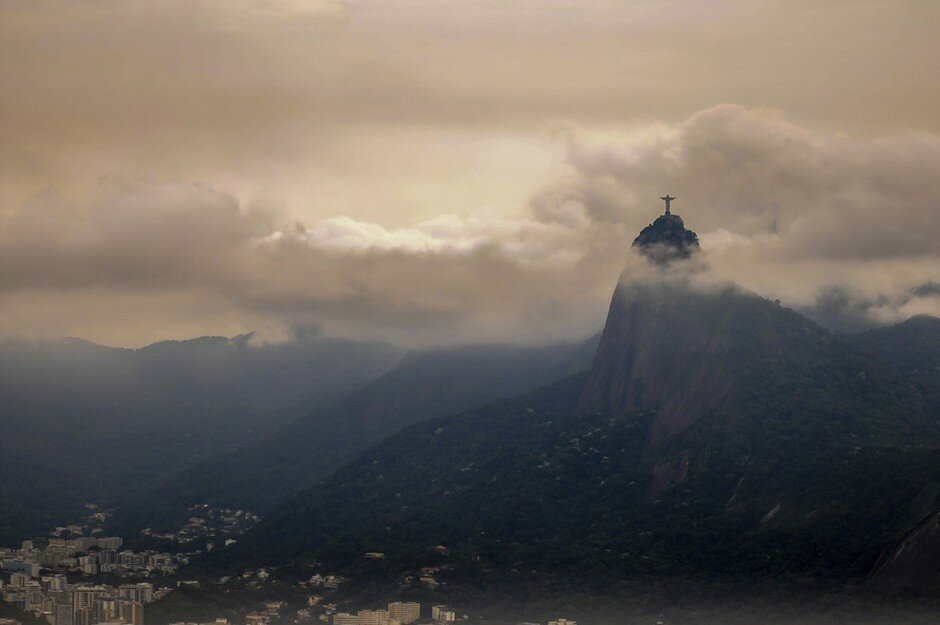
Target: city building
{"type": "Point", "coordinates": [256, 618]}
{"type": "Point", "coordinates": [112, 543]}
{"type": "Point", "coordinates": [404, 612]}
{"type": "Point", "coordinates": [138, 593]}
{"type": "Point", "coordinates": [373, 617]}
{"type": "Point", "coordinates": [443, 614]}
{"type": "Point", "coordinates": [344, 618]}
{"type": "Point", "coordinates": [19, 580]}
{"type": "Point", "coordinates": [20, 565]}
{"type": "Point", "coordinates": [131, 612]}
{"type": "Point", "coordinates": [85, 616]}
{"type": "Point", "coordinates": [63, 614]}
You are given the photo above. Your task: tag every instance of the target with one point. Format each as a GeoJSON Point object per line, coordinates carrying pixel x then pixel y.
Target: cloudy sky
{"type": "Point", "coordinates": [440, 171]}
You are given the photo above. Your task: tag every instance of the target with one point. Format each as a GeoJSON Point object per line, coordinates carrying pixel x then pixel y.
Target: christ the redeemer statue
{"type": "Point", "coordinates": [667, 198]}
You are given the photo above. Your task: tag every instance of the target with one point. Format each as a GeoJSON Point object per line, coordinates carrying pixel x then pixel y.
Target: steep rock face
{"type": "Point", "coordinates": [682, 352]}
{"type": "Point", "coordinates": [659, 350]}
{"type": "Point", "coordinates": [679, 350]}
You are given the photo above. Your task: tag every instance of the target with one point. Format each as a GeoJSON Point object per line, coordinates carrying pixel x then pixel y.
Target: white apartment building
{"type": "Point", "coordinates": [443, 614]}
{"type": "Point", "coordinates": [404, 612]}
{"type": "Point", "coordinates": [63, 614]}
{"type": "Point", "coordinates": [373, 617]}
{"type": "Point", "coordinates": [138, 593]}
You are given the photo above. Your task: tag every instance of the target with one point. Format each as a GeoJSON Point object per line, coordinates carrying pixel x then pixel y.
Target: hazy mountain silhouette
{"type": "Point", "coordinates": [425, 384]}
{"type": "Point", "coordinates": [82, 422]}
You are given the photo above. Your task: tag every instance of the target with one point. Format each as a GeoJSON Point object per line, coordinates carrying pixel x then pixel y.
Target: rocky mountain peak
{"type": "Point", "coordinates": [666, 239]}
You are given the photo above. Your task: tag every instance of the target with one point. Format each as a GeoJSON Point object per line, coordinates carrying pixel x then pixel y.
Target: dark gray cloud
{"type": "Point", "coordinates": [928, 289]}
{"type": "Point", "coordinates": [753, 173]}
{"type": "Point", "coordinates": [844, 310]}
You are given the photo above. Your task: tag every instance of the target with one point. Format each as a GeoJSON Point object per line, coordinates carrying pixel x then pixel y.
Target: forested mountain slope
{"type": "Point", "coordinates": [790, 452]}
{"type": "Point", "coordinates": [82, 422]}
{"type": "Point", "coordinates": [425, 384]}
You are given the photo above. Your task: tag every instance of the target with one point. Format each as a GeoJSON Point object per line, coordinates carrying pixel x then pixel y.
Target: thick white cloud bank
{"type": "Point", "coordinates": [844, 228]}
{"type": "Point", "coordinates": [520, 240]}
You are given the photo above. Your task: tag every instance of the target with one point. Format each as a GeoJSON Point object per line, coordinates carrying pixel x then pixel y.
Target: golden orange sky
{"type": "Point", "coordinates": [442, 171]}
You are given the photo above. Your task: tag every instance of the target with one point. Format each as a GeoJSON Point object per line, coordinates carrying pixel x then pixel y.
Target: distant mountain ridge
{"type": "Point", "coordinates": [82, 422]}
{"type": "Point", "coordinates": [912, 348]}
{"type": "Point", "coordinates": [425, 384]}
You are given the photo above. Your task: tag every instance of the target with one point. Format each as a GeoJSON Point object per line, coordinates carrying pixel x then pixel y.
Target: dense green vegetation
{"type": "Point", "coordinates": [911, 348]}
{"type": "Point", "coordinates": [426, 384]}
{"type": "Point", "coordinates": [528, 489]}
{"type": "Point", "coordinates": [207, 602]}
{"type": "Point", "coordinates": [816, 461]}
